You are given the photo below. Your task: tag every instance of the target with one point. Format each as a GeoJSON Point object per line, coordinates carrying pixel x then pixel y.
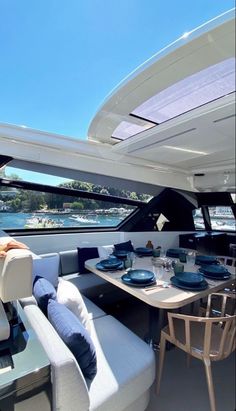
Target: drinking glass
{"type": "Point", "coordinates": [158, 271]}
{"type": "Point", "coordinates": [128, 263]}
{"type": "Point", "coordinates": [162, 252]}
{"type": "Point", "coordinates": [191, 257]}
{"type": "Point", "coordinates": [132, 257]}
{"type": "Point", "coordinates": [178, 268]}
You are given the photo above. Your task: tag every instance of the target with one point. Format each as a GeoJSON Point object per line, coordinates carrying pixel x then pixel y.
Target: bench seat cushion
{"type": "Point", "coordinates": [93, 310]}
{"type": "Point", "coordinates": [89, 284]}
{"type": "Point", "coordinates": [125, 366]}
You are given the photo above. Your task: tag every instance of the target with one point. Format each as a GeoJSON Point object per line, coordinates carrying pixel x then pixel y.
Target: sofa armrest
{"type": "Point", "coordinates": [69, 390]}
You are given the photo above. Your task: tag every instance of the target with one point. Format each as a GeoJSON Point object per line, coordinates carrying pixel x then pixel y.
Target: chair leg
{"type": "Point", "coordinates": [188, 360]}
{"type": "Point", "coordinates": [207, 364]}
{"type": "Point", "coordinates": [161, 361]}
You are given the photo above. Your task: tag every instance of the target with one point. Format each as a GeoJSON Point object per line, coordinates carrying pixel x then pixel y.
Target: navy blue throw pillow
{"type": "Point", "coordinates": [43, 290]}
{"type": "Point", "coordinates": [75, 336]}
{"type": "Point", "coordinates": [126, 246]}
{"type": "Point", "coordinates": [85, 254]}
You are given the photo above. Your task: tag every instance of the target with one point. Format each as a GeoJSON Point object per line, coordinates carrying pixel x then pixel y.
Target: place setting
{"type": "Point", "coordinates": [187, 280]}
{"type": "Point", "coordinates": [206, 260]}
{"type": "Point", "coordinates": [121, 254]}
{"type": "Point", "coordinates": [143, 252]}
{"type": "Point", "coordinates": [110, 264]}
{"type": "Point", "coordinates": [215, 272]}
{"type": "Point", "coordinates": [139, 278]}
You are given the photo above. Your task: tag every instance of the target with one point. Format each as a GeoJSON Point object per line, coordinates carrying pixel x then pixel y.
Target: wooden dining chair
{"type": "Point", "coordinates": [227, 260]}
{"type": "Point", "coordinates": [206, 338]}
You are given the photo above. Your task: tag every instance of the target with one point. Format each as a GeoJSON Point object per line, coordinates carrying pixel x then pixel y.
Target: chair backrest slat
{"type": "Point", "coordinates": [223, 305]}
{"type": "Point", "coordinates": [207, 339]}
{"type": "Point", "coordinates": [218, 332]}
{"type": "Point", "coordinates": [222, 349]}
{"type": "Point", "coordinates": [187, 335]}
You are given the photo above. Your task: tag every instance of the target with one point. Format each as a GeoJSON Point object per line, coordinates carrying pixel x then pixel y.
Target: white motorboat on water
{"type": "Point", "coordinates": [42, 222]}
{"type": "Point", "coordinates": [83, 220]}
{"type": "Point", "coordinates": [160, 158]}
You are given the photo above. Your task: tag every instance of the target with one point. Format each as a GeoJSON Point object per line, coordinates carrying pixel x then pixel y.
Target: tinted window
{"type": "Point", "coordinates": [222, 218]}
{"type": "Point", "coordinates": [198, 219]}
{"type": "Point", "coordinates": [20, 208]}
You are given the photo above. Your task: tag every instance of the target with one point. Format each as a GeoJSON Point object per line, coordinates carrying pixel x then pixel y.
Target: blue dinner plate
{"type": "Point", "coordinates": [217, 277]}
{"type": "Point", "coordinates": [205, 259]}
{"type": "Point", "coordinates": [127, 280]}
{"type": "Point", "coordinates": [143, 251]}
{"type": "Point", "coordinates": [100, 267]}
{"type": "Point", "coordinates": [141, 276]}
{"type": "Point", "coordinates": [110, 263]}
{"type": "Point", "coordinates": [121, 253]}
{"type": "Point", "coordinates": [175, 252]}
{"type": "Point", "coordinates": [191, 279]}
{"type": "Point", "coordinates": [214, 269]}
{"type": "Point", "coordinates": [202, 286]}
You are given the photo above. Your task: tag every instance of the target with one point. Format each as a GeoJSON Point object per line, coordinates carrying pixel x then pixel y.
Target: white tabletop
{"type": "Point", "coordinates": [157, 296]}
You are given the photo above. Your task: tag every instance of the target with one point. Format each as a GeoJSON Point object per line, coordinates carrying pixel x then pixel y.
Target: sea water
{"type": "Point", "coordinates": [19, 220]}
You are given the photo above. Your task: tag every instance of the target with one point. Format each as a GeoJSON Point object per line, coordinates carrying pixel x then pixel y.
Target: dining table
{"type": "Point", "coordinates": [162, 296]}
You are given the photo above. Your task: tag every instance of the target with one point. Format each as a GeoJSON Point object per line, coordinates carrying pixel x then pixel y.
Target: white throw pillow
{"type": "Point", "coordinates": [69, 295]}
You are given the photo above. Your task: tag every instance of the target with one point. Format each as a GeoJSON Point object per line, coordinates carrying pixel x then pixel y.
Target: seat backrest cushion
{"type": "Point", "coordinates": [16, 275]}
{"type": "Point", "coordinates": [69, 262]}
{"type": "Point", "coordinates": [84, 254]}
{"type": "Point", "coordinates": [75, 336]}
{"type": "Point", "coordinates": [47, 266]}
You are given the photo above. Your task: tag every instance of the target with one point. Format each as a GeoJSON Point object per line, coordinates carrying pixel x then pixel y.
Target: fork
{"type": "Point", "coordinates": [164, 285]}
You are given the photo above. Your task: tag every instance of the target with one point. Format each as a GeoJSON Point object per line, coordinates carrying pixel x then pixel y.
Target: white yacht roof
{"type": "Point", "coordinates": [178, 108]}
{"type": "Point", "coordinates": [140, 135]}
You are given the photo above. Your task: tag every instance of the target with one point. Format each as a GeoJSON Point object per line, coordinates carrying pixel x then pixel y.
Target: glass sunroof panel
{"type": "Point", "coordinates": [125, 129]}
{"type": "Point", "coordinates": [200, 88]}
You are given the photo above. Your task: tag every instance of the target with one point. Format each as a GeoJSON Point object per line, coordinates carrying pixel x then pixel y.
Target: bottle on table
{"type": "Point", "coordinates": [149, 244]}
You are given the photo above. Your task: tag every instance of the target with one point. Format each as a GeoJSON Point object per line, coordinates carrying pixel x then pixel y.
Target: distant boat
{"type": "Point", "coordinates": [82, 219]}
{"type": "Point", "coordinates": [223, 225]}
{"type": "Point", "coordinates": [42, 222]}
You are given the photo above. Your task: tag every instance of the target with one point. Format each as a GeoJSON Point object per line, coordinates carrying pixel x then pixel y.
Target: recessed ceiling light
{"type": "Point", "coordinates": [186, 150]}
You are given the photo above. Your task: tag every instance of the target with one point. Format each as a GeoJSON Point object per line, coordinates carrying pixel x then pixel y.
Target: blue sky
{"type": "Point", "coordinates": [60, 59]}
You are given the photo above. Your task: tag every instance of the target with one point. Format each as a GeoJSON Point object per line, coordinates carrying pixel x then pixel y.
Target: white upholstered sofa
{"type": "Point", "coordinates": [125, 364]}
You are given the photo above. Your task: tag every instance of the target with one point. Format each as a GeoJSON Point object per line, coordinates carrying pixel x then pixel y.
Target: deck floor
{"type": "Point", "coordinates": [182, 388]}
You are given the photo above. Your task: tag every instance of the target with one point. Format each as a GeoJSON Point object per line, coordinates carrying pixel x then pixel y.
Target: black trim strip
{"type": "Point", "coordinates": [224, 118]}
{"type": "Point", "coordinates": [163, 139]}
{"type": "Point", "coordinates": [144, 119]}
{"type": "Point", "coordinates": [69, 192]}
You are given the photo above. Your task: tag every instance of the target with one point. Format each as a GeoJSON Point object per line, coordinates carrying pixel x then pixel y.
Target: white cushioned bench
{"type": "Point", "coordinates": [89, 284]}
{"type": "Point", "coordinates": [125, 363]}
